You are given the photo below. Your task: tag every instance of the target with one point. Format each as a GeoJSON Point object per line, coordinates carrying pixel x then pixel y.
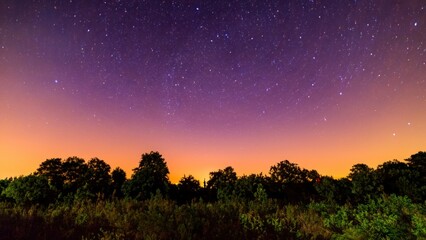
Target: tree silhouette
{"type": "Point", "coordinates": [222, 178]}
{"type": "Point", "coordinates": [395, 176]}
{"type": "Point", "coordinates": [287, 172]}
{"type": "Point", "coordinates": [74, 172]}
{"type": "Point", "coordinates": [222, 182]}
{"type": "Point", "coordinates": [118, 179]}
{"type": "Point", "coordinates": [151, 175]}
{"type": "Point", "coordinates": [417, 165]}
{"type": "Point", "coordinates": [53, 170]}
{"type": "Point", "coordinates": [365, 184]}
{"type": "Point", "coordinates": [334, 190]}
{"type": "Point", "coordinates": [188, 189]}
{"type": "Point", "coordinates": [418, 161]}
{"type": "Point", "coordinates": [246, 186]}
{"type": "Point", "coordinates": [98, 179]}
{"type": "Point", "coordinates": [289, 181]}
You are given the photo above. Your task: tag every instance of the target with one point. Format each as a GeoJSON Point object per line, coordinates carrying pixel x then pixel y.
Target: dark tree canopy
{"type": "Point", "coordinates": [395, 177]}
{"type": "Point", "coordinates": [189, 184]}
{"type": "Point", "coordinates": [53, 170]}
{"type": "Point", "coordinates": [222, 178]}
{"type": "Point", "coordinates": [188, 189]}
{"type": "Point", "coordinates": [365, 182]}
{"type": "Point", "coordinates": [74, 170]}
{"type": "Point", "coordinates": [417, 165]}
{"type": "Point", "coordinates": [98, 178]}
{"type": "Point", "coordinates": [154, 163]}
{"type": "Point", "coordinates": [246, 186]}
{"type": "Point", "coordinates": [150, 176]}
{"type": "Point", "coordinates": [418, 161]}
{"type": "Point", "coordinates": [287, 172]}
{"type": "Point", "coordinates": [291, 182]}
{"type": "Point", "coordinates": [334, 190]}
{"type": "Point", "coordinates": [118, 176]}
{"type": "Point", "coordinates": [222, 183]}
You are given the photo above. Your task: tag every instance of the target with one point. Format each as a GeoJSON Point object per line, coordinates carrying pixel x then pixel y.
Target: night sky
{"type": "Point", "coordinates": [210, 84]}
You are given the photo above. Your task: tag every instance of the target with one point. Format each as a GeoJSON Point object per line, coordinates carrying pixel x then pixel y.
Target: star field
{"type": "Point", "coordinates": [326, 84]}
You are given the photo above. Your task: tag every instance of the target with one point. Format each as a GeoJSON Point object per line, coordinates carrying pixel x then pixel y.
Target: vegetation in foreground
{"type": "Point", "coordinates": [75, 199]}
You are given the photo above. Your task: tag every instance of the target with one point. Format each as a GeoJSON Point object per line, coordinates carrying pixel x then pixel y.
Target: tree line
{"type": "Point", "coordinates": [74, 199]}
{"type": "Point", "coordinates": [58, 180]}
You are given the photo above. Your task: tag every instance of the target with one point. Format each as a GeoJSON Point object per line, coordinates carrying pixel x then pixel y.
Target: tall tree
{"type": "Point", "coordinates": [150, 176]}
{"type": "Point", "coordinates": [188, 189]}
{"type": "Point", "coordinates": [247, 186]}
{"type": "Point", "coordinates": [52, 169]}
{"type": "Point", "coordinates": [118, 179]}
{"type": "Point", "coordinates": [288, 172]}
{"type": "Point", "coordinates": [222, 182]}
{"type": "Point", "coordinates": [291, 182]}
{"type": "Point", "coordinates": [417, 165]}
{"type": "Point", "coordinates": [74, 171]}
{"type": "Point", "coordinates": [334, 190]}
{"type": "Point", "coordinates": [396, 177]}
{"type": "Point", "coordinates": [418, 161]}
{"type": "Point", "coordinates": [365, 184]}
{"type": "Point", "coordinates": [98, 178]}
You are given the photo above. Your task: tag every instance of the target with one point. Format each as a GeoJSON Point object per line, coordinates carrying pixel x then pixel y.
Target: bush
{"type": "Point", "coordinates": [393, 217]}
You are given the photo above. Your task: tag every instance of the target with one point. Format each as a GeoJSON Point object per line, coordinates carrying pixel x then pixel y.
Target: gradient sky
{"type": "Point", "coordinates": [208, 84]}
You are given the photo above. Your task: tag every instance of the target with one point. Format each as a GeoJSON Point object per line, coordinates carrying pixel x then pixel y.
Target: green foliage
{"type": "Point", "coordinates": [392, 217]}
{"type": "Point", "coordinates": [269, 221]}
{"type": "Point", "coordinates": [340, 220]}
{"type": "Point", "coordinates": [3, 185]}
{"type": "Point", "coordinates": [260, 195]}
{"type": "Point", "coordinates": [159, 218]}
{"type": "Point", "coordinates": [30, 189]}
